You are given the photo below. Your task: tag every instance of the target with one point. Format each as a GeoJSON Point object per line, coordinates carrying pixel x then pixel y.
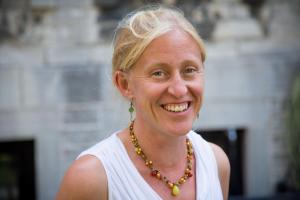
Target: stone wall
{"type": "Point", "coordinates": [55, 79]}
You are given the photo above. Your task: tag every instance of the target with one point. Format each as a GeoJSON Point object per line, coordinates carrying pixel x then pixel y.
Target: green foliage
{"type": "Point", "coordinates": [294, 133]}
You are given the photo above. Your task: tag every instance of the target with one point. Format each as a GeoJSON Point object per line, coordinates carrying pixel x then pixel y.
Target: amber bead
{"type": "Point", "coordinates": [158, 175]}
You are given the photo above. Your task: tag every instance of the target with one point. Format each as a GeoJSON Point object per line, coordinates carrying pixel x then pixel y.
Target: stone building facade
{"type": "Point", "coordinates": [56, 91]}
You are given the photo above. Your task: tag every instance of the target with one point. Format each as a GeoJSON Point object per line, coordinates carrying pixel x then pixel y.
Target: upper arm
{"type": "Point", "coordinates": [223, 168]}
{"type": "Point", "coordinates": [85, 179]}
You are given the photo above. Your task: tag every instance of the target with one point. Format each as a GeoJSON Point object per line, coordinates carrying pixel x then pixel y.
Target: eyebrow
{"type": "Point", "coordinates": [185, 62]}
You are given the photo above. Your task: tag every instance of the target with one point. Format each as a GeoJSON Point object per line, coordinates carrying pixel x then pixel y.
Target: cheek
{"type": "Point", "coordinates": [197, 90]}
{"type": "Point", "coordinates": [146, 93]}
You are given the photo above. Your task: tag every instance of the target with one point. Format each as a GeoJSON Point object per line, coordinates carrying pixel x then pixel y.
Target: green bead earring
{"type": "Point", "coordinates": [131, 110]}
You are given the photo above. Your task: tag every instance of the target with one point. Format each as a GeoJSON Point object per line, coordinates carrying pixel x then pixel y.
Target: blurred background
{"type": "Point", "coordinates": [57, 98]}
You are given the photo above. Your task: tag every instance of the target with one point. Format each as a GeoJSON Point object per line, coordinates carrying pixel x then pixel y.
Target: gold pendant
{"type": "Point", "coordinates": [175, 190]}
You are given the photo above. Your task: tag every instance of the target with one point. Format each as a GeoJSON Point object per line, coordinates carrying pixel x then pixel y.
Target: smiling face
{"type": "Point", "coordinates": [166, 84]}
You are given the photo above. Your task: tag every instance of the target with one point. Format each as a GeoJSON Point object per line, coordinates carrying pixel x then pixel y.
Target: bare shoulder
{"type": "Point", "coordinates": [223, 168]}
{"type": "Point", "coordinates": [221, 157]}
{"type": "Point", "coordinates": [85, 179]}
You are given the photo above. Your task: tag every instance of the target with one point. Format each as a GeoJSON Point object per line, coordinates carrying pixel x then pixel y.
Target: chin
{"type": "Point", "coordinates": [180, 129]}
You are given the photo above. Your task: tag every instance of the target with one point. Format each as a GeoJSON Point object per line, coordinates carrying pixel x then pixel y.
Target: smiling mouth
{"type": "Point", "coordinates": [180, 107]}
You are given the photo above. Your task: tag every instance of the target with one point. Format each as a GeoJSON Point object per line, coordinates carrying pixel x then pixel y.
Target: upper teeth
{"type": "Point", "coordinates": [176, 107]}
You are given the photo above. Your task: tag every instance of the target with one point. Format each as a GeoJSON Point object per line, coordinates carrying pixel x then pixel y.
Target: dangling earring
{"type": "Point", "coordinates": [197, 115]}
{"type": "Point", "coordinates": [131, 110]}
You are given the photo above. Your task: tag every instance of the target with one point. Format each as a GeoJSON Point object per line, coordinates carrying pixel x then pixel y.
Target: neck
{"type": "Point", "coordinates": [164, 150]}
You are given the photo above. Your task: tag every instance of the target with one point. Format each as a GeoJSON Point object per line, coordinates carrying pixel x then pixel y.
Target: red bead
{"type": "Point", "coordinates": [154, 172]}
{"type": "Point", "coordinates": [190, 174]}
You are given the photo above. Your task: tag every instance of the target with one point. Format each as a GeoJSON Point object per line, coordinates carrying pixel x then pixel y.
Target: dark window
{"type": "Point", "coordinates": [17, 177]}
{"type": "Point", "coordinates": [231, 141]}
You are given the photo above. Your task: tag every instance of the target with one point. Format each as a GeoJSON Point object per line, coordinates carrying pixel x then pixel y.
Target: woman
{"type": "Point", "coordinates": [158, 66]}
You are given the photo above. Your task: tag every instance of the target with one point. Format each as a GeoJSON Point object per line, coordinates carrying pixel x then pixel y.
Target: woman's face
{"type": "Point", "coordinates": [167, 83]}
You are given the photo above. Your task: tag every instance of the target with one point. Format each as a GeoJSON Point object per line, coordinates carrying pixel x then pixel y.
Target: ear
{"type": "Point", "coordinates": [121, 80]}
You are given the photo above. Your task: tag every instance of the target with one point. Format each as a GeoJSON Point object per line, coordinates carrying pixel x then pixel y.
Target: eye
{"type": "Point", "coordinates": [159, 74]}
{"type": "Point", "coordinates": [191, 70]}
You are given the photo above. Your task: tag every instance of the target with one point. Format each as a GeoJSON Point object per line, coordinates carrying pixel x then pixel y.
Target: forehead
{"type": "Point", "coordinates": [173, 47]}
{"type": "Point", "coordinates": [173, 38]}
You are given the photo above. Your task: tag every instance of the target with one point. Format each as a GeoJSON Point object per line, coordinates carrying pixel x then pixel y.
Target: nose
{"type": "Point", "coordinates": [177, 87]}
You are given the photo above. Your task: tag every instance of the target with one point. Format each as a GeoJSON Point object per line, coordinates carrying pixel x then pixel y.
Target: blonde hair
{"type": "Point", "coordinates": [135, 32]}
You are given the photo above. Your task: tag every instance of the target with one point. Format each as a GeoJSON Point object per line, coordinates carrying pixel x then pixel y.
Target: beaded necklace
{"type": "Point", "coordinates": [174, 187]}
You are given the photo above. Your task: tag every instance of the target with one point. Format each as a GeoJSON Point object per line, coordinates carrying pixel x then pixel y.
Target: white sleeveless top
{"type": "Point", "coordinates": [126, 183]}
